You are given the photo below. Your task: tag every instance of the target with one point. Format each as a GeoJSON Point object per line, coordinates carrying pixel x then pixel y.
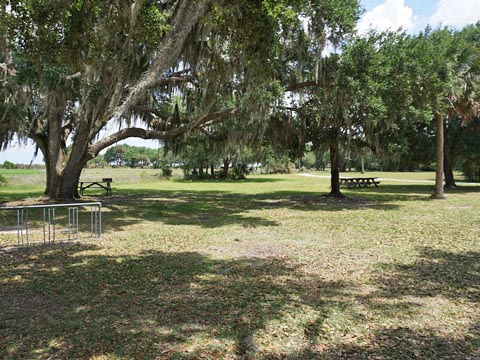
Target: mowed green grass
{"type": "Point", "coordinates": [263, 268]}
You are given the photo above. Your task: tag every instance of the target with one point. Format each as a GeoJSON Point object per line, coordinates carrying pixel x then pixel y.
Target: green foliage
{"type": "Point", "coordinates": [9, 165]}
{"type": "Point", "coordinates": [153, 25]}
{"type": "Point", "coordinates": [92, 62]}
{"type": "Point", "coordinates": [98, 162]}
{"type": "Point", "coordinates": [238, 172]}
{"type": "Point", "coordinates": [115, 155]}
{"type": "Point", "coordinates": [167, 171]}
{"type": "Point", "coordinates": [3, 180]}
{"type": "Point", "coordinates": [133, 156]}
{"type": "Point", "coordinates": [378, 96]}
{"type": "Point", "coordinates": [309, 160]}
{"type": "Point", "coordinates": [313, 158]}
{"type": "Point", "coordinates": [463, 144]}
{"type": "Point", "coordinates": [275, 161]}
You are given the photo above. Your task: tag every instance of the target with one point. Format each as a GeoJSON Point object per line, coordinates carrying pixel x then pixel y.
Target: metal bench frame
{"type": "Point", "coordinates": [49, 222]}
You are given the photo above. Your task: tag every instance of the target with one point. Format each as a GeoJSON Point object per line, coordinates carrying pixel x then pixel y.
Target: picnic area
{"type": "Point", "coordinates": [267, 266]}
{"type": "Point", "coordinates": [240, 179]}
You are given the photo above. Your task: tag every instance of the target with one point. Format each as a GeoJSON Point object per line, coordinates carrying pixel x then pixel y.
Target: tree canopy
{"type": "Point", "coordinates": [71, 69]}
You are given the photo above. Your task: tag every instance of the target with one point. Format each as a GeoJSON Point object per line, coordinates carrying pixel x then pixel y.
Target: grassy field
{"type": "Point", "coordinates": [265, 268]}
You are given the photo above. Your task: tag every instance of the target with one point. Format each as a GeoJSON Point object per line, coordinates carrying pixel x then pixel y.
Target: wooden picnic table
{"type": "Point", "coordinates": [104, 184]}
{"type": "Point", "coordinates": [359, 181]}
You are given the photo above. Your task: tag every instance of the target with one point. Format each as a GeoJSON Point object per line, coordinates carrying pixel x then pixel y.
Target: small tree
{"type": "Point", "coordinates": [117, 155]}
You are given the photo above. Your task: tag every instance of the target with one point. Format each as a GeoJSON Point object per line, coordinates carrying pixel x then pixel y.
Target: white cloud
{"type": "Point", "coordinates": [391, 15]}
{"type": "Point", "coordinates": [456, 13]}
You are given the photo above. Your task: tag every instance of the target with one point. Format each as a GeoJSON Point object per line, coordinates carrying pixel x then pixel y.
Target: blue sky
{"type": "Point", "coordinates": [414, 15]}
{"type": "Point", "coordinates": [411, 15]}
{"type": "Point", "coordinates": [420, 7]}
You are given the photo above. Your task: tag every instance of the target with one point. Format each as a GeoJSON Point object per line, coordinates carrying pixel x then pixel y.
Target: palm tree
{"type": "Point", "coordinates": [465, 97]}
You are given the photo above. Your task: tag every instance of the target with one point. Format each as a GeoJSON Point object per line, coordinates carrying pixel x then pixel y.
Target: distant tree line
{"type": "Point", "coordinates": [10, 165]}
{"type": "Point", "coordinates": [196, 161]}
{"type": "Point", "coordinates": [133, 156]}
{"type": "Point", "coordinates": [410, 150]}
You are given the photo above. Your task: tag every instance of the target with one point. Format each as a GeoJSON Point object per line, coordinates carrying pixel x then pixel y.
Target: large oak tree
{"type": "Point", "coordinates": [71, 69]}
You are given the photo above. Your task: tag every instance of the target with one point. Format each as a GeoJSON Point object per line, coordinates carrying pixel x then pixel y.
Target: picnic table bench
{"type": "Point", "coordinates": [359, 181]}
{"type": "Point", "coordinates": [104, 184]}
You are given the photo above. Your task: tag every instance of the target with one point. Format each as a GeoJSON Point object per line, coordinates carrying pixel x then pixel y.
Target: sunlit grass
{"type": "Point", "coordinates": [267, 267]}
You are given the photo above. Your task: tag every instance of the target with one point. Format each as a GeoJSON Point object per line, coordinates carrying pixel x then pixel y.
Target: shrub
{"type": "Point", "coordinates": [3, 180]}
{"type": "Point", "coordinates": [238, 172]}
{"type": "Point", "coordinates": [9, 165]}
{"type": "Point", "coordinates": [167, 171]}
{"type": "Point", "coordinates": [187, 171]}
{"type": "Point", "coordinates": [471, 169]}
{"type": "Point", "coordinates": [279, 169]}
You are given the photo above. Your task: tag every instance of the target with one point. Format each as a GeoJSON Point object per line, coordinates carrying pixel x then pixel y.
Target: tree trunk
{"type": "Point", "coordinates": [335, 166]}
{"type": "Point", "coordinates": [64, 186]}
{"type": "Point", "coordinates": [439, 135]}
{"type": "Point", "coordinates": [226, 163]}
{"type": "Point", "coordinates": [47, 176]}
{"type": "Point", "coordinates": [62, 171]}
{"type": "Point", "coordinates": [212, 170]}
{"type": "Point", "coordinates": [448, 170]}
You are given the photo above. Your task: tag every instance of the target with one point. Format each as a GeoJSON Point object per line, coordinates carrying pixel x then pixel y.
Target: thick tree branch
{"type": "Point", "coordinates": [176, 80]}
{"type": "Point", "coordinates": [135, 9]}
{"type": "Point", "coordinates": [214, 118]}
{"type": "Point", "coordinates": [299, 86]}
{"type": "Point", "coordinates": [207, 120]}
{"type": "Point", "coordinates": [6, 70]}
{"type": "Point", "coordinates": [186, 18]}
{"type": "Point", "coordinates": [77, 75]}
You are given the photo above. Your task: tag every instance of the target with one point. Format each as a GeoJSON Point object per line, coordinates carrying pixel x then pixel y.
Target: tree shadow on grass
{"type": "Point", "coordinates": [248, 180]}
{"type": "Point", "coordinates": [399, 343]}
{"type": "Point", "coordinates": [404, 192]}
{"type": "Point", "coordinates": [436, 272]}
{"type": "Point", "coordinates": [76, 303]}
{"type": "Point", "coordinates": [67, 303]}
{"type": "Point", "coordinates": [455, 276]}
{"type": "Point", "coordinates": [9, 196]}
{"type": "Point", "coordinates": [212, 209]}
